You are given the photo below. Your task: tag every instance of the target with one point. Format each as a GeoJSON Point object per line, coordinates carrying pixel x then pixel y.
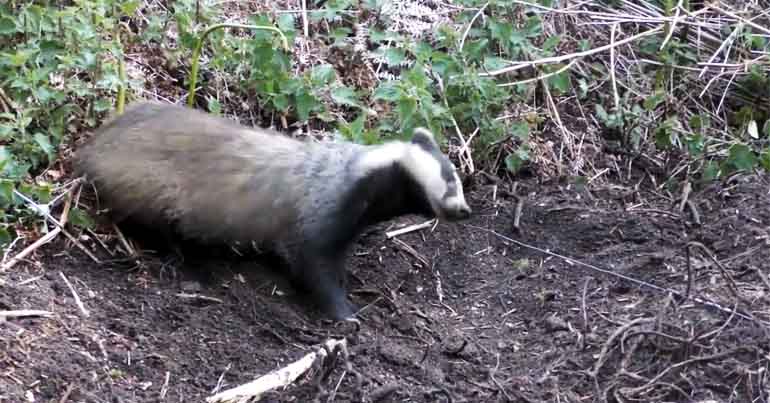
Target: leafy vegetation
{"type": "Point", "coordinates": [60, 73]}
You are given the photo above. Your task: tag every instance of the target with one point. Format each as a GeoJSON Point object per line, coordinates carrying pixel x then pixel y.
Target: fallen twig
{"type": "Point", "coordinates": [279, 378]}
{"type": "Point", "coordinates": [411, 228]}
{"type": "Point", "coordinates": [124, 241]}
{"type": "Point", "coordinates": [200, 297]}
{"type": "Point", "coordinates": [24, 313]}
{"type": "Point", "coordinates": [75, 295]}
{"type": "Point", "coordinates": [31, 248]}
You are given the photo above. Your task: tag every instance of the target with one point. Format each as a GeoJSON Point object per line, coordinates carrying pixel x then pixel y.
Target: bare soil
{"type": "Point", "coordinates": [456, 313]}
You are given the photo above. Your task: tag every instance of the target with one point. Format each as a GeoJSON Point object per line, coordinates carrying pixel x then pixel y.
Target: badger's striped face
{"type": "Point", "coordinates": [433, 171]}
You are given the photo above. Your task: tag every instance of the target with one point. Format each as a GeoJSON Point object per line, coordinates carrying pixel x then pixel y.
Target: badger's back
{"type": "Point", "coordinates": [211, 177]}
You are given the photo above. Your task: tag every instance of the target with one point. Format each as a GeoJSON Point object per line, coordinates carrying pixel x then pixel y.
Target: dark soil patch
{"type": "Point", "coordinates": [484, 320]}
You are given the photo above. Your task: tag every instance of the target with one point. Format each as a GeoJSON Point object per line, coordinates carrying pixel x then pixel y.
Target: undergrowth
{"type": "Point", "coordinates": [366, 74]}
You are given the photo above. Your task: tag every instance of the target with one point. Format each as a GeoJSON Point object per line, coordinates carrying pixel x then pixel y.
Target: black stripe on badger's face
{"type": "Point", "coordinates": [438, 176]}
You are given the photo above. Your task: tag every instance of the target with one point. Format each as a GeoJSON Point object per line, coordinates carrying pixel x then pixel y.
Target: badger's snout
{"type": "Point", "coordinates": [456, 210]}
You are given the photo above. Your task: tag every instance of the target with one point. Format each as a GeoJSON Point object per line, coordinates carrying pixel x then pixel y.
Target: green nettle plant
{"type": "Point", "coordinates": [60, 70]}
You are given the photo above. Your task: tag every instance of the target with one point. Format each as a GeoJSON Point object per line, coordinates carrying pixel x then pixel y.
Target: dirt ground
{"type": "Point", "coordinates": [457, 313]}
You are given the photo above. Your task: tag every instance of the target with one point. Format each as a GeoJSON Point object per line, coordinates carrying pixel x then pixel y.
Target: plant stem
{"type": "Point", "coordinates": [199, 45]}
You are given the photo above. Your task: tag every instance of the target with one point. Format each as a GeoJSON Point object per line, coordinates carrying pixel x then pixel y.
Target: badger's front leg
{"type": "Point", "coordinates": [323, 276]}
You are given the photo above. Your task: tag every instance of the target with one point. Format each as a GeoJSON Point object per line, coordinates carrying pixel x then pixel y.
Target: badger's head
{"type": "Point", "coordinates": [435, 177]}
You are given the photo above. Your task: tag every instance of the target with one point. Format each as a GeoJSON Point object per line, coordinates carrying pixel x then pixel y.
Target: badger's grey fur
{"type": "Point", "coordinates": [212, 179]}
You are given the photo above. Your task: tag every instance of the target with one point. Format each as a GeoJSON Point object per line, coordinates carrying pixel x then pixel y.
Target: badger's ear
{"type": "Point", "coordinates": [424, 138]}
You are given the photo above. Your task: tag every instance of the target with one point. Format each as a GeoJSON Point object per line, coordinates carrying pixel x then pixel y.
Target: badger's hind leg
{"type": "Point", "coordinates": [323, 277]}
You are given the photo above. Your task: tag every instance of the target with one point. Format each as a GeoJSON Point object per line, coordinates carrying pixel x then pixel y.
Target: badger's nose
{"type": "Point", "coordinates": [464, 212]}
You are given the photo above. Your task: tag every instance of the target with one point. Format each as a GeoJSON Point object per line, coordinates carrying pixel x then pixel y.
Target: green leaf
{"type": "Point", "coordinates": [102, 105]}
{"type": "Point", "coordinates": [700, 121]}
{"type": "Point", "coordinates": [741, 157]}
{"type": "Point", "coordinates": [406, 108]}
{"type": "Point", "coordinates": [44, 142]}
{"type": "Point", "coordinates": [6, 131]}
{"type": "Point", "coordinates": [534, 26]}
{"type": "Point", "coordinates": [423, 52]}
{"type": "Point", "coordinates": [476, 49]}
{"type": "Point", "coordinates": [214, 106]}
{"type": "Point", "coordinates": [394, 56]}
{"type": "Point", "coordinates": [339, 34]}
{"type": "Point", "coordinates": [306, 103]}
{"type": "Point", "coordinates": [5, 236]}
{"type": "Point", "coordinates": [6, 193]}
{"type": "Point", "coordinates": [602, 114]}
{"type": "Point", "coordinates": [81, 219]}
{"type": "Point", "coordinates": [520, 130]}
{"type": "Point", "coordinates": [281, 102]}
{"type": "Point", "coordinates": [711, 171]}
{"type": "Point", "coordinates": [764, 159]}
{"type": "Point", "coordinates": [287, 24]}
{"type": "Point", "coordinates": [515, 161]}
{"type": "Point", "coordinates": [560, 82]}
{"type": "Point", "coordinates": [345, 96]}
{"type": "Point", "coordinates": [7, 26]}
{"type": "Point", "coordinates": [650, 103]}
{"type": "Point", "coordinates": [322, 74]}
{"type": "Point", "coordinates": [387, 91]}
{"type": "Point", "coordinates": [19, 58]}
{"type": "Point", "coordinates": [494, 63]}
{"type": "Point", "coordinates": [129, 7]}
{"type": "Point", "coordinates": [551, 43]}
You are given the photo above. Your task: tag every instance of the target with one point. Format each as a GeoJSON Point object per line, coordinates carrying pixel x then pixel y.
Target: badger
{"type": "Point", "coordinates": [210, 179]}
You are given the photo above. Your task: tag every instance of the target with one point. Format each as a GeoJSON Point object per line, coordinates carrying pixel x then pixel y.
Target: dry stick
{"type": "Point", "coordinates": [694, 212]}
{"type": "Point", "coordinates": [763, 277]}
{"type": "Point", "coordinates": [100, 242]}
{"type": "Point", "coordinates": [554, 111]}
{"type": "Point", "coordinates": [689, 273]}
{"type": "Point", "coordinates": [685, 195]}
{"type": "Point", "coordinates": [741, 19]}
{"type": "Point", "coordinates": [75, 295]}
{"type": "Point", "coordinates": [164, 388]}
{"type": "Point", "coordinates": [656, 378]}
{"type": "Point", "coordinates": [279, 378]}
{"type": "Point", "coordinates": [31, 248]}
{"type": "Point", "coordinates": [10, 248]}
{"type": "Point", "coordinates": [411, 228]}
{"type": "Point", "coordinates": [464, 149]}
{"type": "Point", "coordinates": [470, 24]}
{"type": "Point", "coordinates": [540, 77]}
{"type": "Point", "coordinates": [583, 306]}
{"type": "Point", "coordinates": [558, 59]}
{"type": "Point", "coordinates": [67, 393]}
{"type": "Point", "coordinates": [200, 297]}
{"type": "Point", "coordinates": [613, 79]}
{"type": "Point", "coordinates": [62, 222]}
{"type": "Point", "coordinates": [24, 313]}
{"type": "Point", "coordinates": [410, 250]}
{"type": "Point", "coordinates": [44, 239]}
{"type": "Point", "coordinates": [123, 240]}
{"type": "Point", "coordinates": [517, 212]}
{"type": "Point", "coordinates": [305, 25]}
{"type": "Point", "coordinates": [609, 343]}
{"type": "Point", "coordinates": [670, 32]}
{"type": "Point", "coordinates": [466, 159]}
{"type": "Point", "coordinates": [732, 286]}
{"type": "Point", "coordinates": [700, 300]}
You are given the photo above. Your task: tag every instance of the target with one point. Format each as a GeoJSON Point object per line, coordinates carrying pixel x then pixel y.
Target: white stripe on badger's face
{"type": "Point", "coordinates": [381, 157]}
{"type": "Point", "coordinates": [446, 198]}
{"type": "Point", "coordinates": [426, 170]}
